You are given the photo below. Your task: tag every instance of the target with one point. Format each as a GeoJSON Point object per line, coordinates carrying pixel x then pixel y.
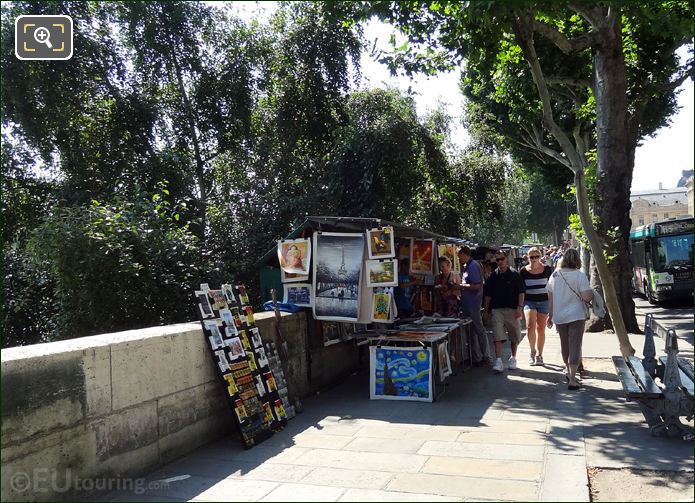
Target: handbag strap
{"type": "Point", "coordinates": [573, 290]}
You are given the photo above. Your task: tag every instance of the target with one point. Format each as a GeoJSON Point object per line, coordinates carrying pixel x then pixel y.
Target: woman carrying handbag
{"type": "Point", "coordinates": [569, 296]}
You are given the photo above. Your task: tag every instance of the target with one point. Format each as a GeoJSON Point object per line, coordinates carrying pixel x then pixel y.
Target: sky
{"type": "Point", "coordinates": [657, 160]}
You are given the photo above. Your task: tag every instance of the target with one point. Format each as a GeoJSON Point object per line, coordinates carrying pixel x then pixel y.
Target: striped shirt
{"type": "Point", "coordinates": [536, 290]}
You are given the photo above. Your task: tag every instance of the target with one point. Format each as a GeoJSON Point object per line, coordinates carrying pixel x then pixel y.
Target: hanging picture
{"type": "Point", "coordinates": [381, 307]}
{"type": "Point", "coordinates": [421, 256]}
{"type": "Point", "coordinates": [449, 251]}
{"type": "Point", "coordinates": [444, 361]}
{"type": "Point", "coordinates": [400, 373]}
{"type": "Point", "coordinates": [295, 256]}
{"type": "Point", "coordinates": [288, 277]}
{"type": "Point", "coordinates": [382, 273]}
{"type": "Point", "coordinates": [228, 292]}
{"type": "Point", "coordinates": [381, 243]}
{"type": "Point", "coordinates": [336, 273]}
{"type": "Point", "coordinates": [243, 297]}
{"type": "Point", "coordinates": [298, 294]}
{"type": "Point", "coordinates": [331, 332]}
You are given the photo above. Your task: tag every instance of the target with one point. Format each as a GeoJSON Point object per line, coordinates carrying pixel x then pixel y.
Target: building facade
{"type": "Point", "coordinates": [654, 205]}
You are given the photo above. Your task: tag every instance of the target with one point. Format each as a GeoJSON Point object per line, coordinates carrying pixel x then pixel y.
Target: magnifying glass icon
{"type": "Point", "coordinates": [43, 36]}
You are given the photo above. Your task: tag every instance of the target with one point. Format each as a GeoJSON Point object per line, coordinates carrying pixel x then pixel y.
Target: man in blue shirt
{"type": "Point", "coordinates": [471, 302]}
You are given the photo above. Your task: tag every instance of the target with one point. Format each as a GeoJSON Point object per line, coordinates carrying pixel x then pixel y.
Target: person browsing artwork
{"type": "Point", "coordinates": [535, 276]}
{"type": "Point", "coordinates": [447, 285]}
{"type": "Point", "coordinates": [403, 293]}
{"type": "Point", "coordinates": [471, 302]}
{"type": "Point", "coordinates": [504, 300]}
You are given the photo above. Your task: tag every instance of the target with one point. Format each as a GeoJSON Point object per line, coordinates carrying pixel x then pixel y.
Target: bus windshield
{"type": "Point", "coordinates": [672, 251]}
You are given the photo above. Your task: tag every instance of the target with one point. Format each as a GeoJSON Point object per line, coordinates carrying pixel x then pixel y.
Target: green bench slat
{"type": "Point", "coordinates": [630, 386]}
{"type": "Point", "coordinates": [651, 389]}
{"type": "Point", "coordinates": [685, 378]}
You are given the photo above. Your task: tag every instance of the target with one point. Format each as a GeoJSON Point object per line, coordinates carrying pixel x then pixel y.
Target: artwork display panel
{"type": "Point", "coordinates": [381, 273]}
{"type": "Point", "coordinates": [381, 307]}
{"type": "Point", "coordinates": [421, 256]}
{"type": "Point", "coordinates": [295, 256]}
{"type": "Point", "coordinates": [298, 294]}
{"type": "Point", "coordinates": [237, 350]}
{"type": "Point", "coordinates": [336, 275]}
{"type": "Point", "coordinates": [380, 243]}
{"type": "Point", "coordinates": [400, 373]}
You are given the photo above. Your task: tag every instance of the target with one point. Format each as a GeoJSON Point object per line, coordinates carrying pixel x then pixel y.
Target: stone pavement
{"type": "Point", "coordinates": [518, 436]}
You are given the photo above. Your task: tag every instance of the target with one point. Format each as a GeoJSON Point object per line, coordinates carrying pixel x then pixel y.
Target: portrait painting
{"type": "Point", "coordinates": [294, 255]}
{"type": "Point", "coordinates": [298, 294]}
{"type": "Point", "coordinates": [381, 307]}
{"type": "Point", "coordinates": [381, 273]}
{"type": "Point", "coordinates": [381, 243]}
{"type": "Point", "coordinates": [337, 266]}
{"type": "Point", "coordinates": [421, 256]}
{"type": "Point", "coordinates": [400, 373]}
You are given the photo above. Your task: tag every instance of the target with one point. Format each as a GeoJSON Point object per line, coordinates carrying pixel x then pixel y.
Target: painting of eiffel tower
{"type": "Point", "coordinates": [337, 265]}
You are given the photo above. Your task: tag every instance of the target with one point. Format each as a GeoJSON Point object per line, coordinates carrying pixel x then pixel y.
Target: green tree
{"type": "Point", "coordinates": [616, 61]}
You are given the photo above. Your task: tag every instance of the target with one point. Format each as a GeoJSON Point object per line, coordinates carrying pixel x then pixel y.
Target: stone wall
{"type": "Point", "coordinates": [119, 405]}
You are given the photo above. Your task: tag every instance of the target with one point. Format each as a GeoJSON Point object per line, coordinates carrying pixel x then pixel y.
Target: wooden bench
{"type": "Point", "coordinates": [663, 387]}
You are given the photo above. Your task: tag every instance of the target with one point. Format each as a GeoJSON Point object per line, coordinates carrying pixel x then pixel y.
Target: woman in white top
{"type": "Point", "coordinates": [569, 294]}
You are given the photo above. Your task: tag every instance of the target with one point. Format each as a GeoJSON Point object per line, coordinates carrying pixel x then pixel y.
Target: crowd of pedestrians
{"type": "Point", "coordinates": [547, 289]}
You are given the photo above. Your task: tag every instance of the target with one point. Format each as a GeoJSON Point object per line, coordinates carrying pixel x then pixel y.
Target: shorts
{"type": "Point", "coordinates": [505, 325]}
{"type": "Point", "coordinates": [536, 305]}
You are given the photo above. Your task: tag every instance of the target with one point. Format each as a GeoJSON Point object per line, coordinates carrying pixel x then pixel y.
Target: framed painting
{"type": "Point", "coordinates": [381, 243]}
{"type": "Point", "coordinates": [337, 267]}
{"type": "Point", "coordinates": [288, 277]}
{"type": "Point", "coordinates": [294, 256]}
{"type": "Point", "coordinates": [381, 273]}
{"type": "Point", "coordinates": [400, 373]}
{"type": "Point", "coordinates": [421, 256]}
{"type": "Point", "coordinates": [381, 307]}
{"type": "Point", "coordinates": [298, 294]}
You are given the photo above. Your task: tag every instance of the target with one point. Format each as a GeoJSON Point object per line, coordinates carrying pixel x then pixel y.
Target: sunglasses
{"type": "Point", "coordinates": [534, 256]}
{"type": "Point", "coordinates": [501, 259]}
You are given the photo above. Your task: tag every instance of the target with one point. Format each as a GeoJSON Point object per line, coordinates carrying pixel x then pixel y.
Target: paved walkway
{"type": "Point", "coordinates": [518, 436]}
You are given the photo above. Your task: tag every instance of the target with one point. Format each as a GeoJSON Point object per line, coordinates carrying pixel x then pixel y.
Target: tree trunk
{"type": "Point", "coordinates": [612, 303]}
{"type": "Point", "coordinates": [614, 171]}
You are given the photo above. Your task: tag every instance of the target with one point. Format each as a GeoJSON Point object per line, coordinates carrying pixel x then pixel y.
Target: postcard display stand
{"type": "Point", "coordinates": [251, 387]}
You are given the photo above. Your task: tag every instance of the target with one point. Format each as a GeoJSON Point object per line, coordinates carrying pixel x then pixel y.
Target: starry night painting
{"type": "Point", "coordinates": [409, 375]}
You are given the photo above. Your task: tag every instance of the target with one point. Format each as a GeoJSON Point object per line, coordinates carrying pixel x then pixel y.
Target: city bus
{"type": "Point", "coordinates": [662, 259]}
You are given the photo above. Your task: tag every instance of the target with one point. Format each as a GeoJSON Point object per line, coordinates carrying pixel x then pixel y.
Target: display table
{"type": "Point", "coordinates": [412, 363]}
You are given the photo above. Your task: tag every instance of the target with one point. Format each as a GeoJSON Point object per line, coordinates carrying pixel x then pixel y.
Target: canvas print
{"type": "Point", "coordinates": [228, 292]}
{"type": "Point", "coordinates": [298, 294]}
{"type": "Point", "coordinates": [204, 304]}
{"type": "Point", "coordinates": [218, 300]}
{"type": "Point", "coordinates": [400, 373]}
{"type": "Point", "coordinates": [226, 316]}
{"type": "Point", "coordinates": [444, 361]}
{"type": "Point", "coordinates": [337, 268]}
{"type": "Point", "coordinates": [241, 294]}
{"type": "Point", "coordinates": [421, 256]}
{"type": "Point", "coordinates": [449, 251]}
{"type": "Point", "coordinates": [295, 255]}
{"type": "Point", "coordinates": [381, 273]}
{"type": "Point", "coordinates": [381, 243]}
{"type": "Point", "coordinates": [381, 307]}
{"type": "Point", "coordinates": [215, 337]}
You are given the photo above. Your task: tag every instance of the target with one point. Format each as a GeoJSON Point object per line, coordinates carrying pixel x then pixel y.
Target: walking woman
{"type": "Point", "coordinates": [569, 294]}
{"type": "Point", "coordinates": [535, 276]}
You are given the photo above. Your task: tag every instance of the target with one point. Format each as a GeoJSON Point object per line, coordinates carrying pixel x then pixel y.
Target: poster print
{"type": "Point", "coordinates": [382, 273]}
{"type": "Point", "coordinates": [444, 361]}
{"type": "Point", "coordinates": [298, 294]}
{"type": "Point", "coordinates": [204, 304]}
{"type": "Point", "coordinates": [295, 255]}
{"type": "Point", "coordinates": [381, 307]}
{"type": "Point", "coordinates": [400, 373]}
{"type": "Point", "coordinates": [381, 243]}
{"type": "Point", "coordinates": [288, 277]}
{"type": "Point", "coordinates": [337, 267]}
{"type": "Point", "coordinates": [449, 251]}
{"type": "Point", "coordinates": [421, 255]}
